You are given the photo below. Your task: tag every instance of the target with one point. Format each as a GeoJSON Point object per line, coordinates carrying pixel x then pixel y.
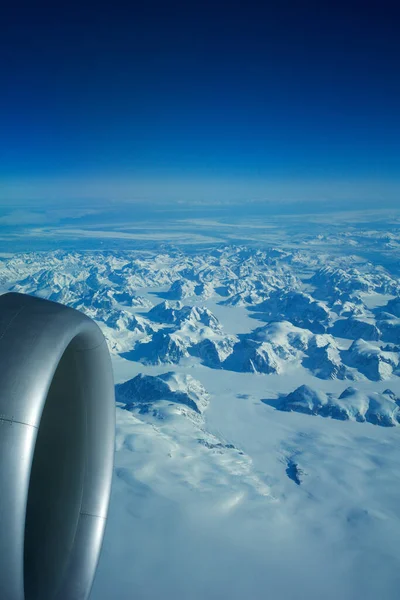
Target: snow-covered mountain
{"type": "Point", "coordinates": [389, 328]}
{"type": "Point", "coordinates": [371, 360]}
{"type": "Point", "coordinates": [393, 307]}
{"type": "Point", "coordinates": [355, 328]}
{"type": "Point", "coordinates": [297, 307]}
{"type": "Point", "coordinates": [352, 404]}
{"type": "Point", "coordinates": [178, 314]}
{"type": "Point", "coordinates": [268, 349]}
{"type": "Point", "coordinates": [324, 359]}
{"type": "Point", "coordinates": [144, 391]}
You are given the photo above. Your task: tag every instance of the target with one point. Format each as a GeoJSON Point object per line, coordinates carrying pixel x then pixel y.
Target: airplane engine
{"type": "Point", "coordinates": [57, 431]}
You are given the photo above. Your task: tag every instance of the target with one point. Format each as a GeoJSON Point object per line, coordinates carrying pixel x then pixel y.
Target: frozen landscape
{"type": "Point", "coordinates": [257, 371]}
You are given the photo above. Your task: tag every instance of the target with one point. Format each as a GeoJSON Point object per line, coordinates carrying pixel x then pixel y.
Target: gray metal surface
{"type": "Point", "coordinates": [57, 429]}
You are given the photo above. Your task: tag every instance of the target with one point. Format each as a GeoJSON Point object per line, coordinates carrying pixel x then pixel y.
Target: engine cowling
{"type": "Point", "coordinates": [57, 432]}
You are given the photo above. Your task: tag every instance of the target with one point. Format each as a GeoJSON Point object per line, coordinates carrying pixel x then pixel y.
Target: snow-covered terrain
{"type": "Point", "coordinates": [258, 412]}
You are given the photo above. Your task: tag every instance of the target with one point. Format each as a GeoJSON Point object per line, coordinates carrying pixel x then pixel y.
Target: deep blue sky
{"type": "Point", "coordinates": [196, 91]}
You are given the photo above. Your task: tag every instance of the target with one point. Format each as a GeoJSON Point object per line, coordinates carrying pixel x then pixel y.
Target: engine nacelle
{"type": "Point", "coordinates": [57, 432]}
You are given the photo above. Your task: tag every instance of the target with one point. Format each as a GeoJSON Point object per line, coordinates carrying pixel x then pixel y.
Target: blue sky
{"type": "Point", "coordinates": [194, 102]}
